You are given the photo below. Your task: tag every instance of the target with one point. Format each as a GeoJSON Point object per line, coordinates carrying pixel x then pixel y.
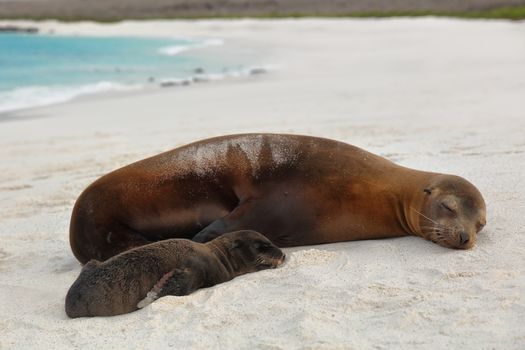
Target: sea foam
{"type": "Point", "coordinates": [37, 96]}
{"type": "Point", "coordinates": [177, 49]}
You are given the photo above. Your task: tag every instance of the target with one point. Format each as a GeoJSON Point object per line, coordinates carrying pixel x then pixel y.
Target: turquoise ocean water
{"type": "Point", "coordinates": [44, 69]}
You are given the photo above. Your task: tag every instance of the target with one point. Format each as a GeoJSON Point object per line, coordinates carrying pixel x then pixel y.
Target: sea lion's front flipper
{"type": "Point", "coordinates": [234, 221]}
{"type": "Point", "coordinates": [271, 215]}
{"type": "Point", "coordinates": [176, 282]}
{"type": "Point", "coordinates": [212, 231]}
{"type": "Point", "coordinates": [182, 282]}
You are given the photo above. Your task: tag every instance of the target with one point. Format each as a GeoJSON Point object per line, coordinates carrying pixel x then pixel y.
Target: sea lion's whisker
{"type": "Point", "coordinates": [438, 229]}
{"type": "Point", "coordinates": [431, 227]}
{"type": "Point", "coordinates": [440, 234]}
{"type": "Point", "coordinates": [426, 217]}
{"type": "Point", "coordinates": [260, 261]}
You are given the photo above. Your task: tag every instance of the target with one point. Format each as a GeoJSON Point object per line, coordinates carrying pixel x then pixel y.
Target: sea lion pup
{"type": "Point", "coordinates": [295, 190]}
{"type": "Point", "coordinates": [135, 278]}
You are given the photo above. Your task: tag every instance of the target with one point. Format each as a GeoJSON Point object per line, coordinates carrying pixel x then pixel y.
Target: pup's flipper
{"type": "Point", "coordinates": [176, 282]}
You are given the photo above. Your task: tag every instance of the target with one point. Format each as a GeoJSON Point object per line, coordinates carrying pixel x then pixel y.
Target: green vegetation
{"type": "Point", "coordinates": [510, 13]}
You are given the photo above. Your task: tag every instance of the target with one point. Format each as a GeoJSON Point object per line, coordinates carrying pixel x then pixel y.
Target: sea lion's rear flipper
{"type": "Point", "coordinates": [176, 282]}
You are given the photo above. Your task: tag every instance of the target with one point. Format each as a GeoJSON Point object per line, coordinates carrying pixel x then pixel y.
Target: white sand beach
{"type": "Point", "coordinates": [434, 94]}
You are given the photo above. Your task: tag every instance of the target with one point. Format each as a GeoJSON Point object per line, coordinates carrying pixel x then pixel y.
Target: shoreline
{"type": "Point", "coordinates": [115, 89]}
{"type": "Point", "coordinates": [431, 94]}
{"type": "Point", "coordinates": [200, 47]}
{"type": "Point", "coordinates": [185, 28]}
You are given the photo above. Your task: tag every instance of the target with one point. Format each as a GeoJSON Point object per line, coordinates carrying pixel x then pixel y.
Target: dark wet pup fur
{"type": "Point", "coordinates": [137, 277]}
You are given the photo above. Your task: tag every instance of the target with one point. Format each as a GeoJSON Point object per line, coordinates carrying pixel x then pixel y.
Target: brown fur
{"type": "Point", "coordinates": [170, 267]}
{"type": "Point", "coordinates": [296, 190]}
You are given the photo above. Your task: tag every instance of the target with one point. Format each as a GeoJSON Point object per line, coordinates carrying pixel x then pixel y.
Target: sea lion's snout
{"type": "Point", "coordinates": [270, 257]}
{"type": "Point", "coordinates": [452, 213]}
{"type": "Point", "coordinates": [463, 238]}
{"type": "Point", "coordinates": [255, 250]}
{"type": "Point", "coordinates": [278, 260]}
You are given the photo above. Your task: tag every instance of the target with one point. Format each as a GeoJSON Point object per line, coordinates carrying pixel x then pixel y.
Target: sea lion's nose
{"type": "Point", "coordinates": [463, 238]}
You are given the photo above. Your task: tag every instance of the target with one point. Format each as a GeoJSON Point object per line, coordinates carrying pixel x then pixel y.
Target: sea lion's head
{"type": "Point", "coordinates": [452, 212]}
{"type": "Point", "coordinates": [250, 251]}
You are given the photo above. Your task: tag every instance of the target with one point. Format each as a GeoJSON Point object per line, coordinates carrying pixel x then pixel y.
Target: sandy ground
{"type": "Point", "coordinates": [439, 95]}
{"type": "Point", "coordinates": [119, 9]}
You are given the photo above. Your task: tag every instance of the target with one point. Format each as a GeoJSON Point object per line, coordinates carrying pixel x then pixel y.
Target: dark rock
{"type": "Point", "coordinates": [171, 83]}
{"type": "Point", "coordinates": [200, 78]}
{"type": "Point", "coordinates": [259, 70]}
{"type": "Point", "coordinates": [15, 29]}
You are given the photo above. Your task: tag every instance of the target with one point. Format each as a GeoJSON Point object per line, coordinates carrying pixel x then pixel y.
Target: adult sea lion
{"type": "Point", "coordinates": [136, 277]}
{"type": "Point", "coordinates": [296, 190]}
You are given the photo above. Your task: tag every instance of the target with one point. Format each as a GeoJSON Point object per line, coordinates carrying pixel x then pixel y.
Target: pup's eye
{"type": "Point", "coordinates": [427, 191]}
{"type": "Point", "coordinates": [447, 207]}
{"type": "Point", "coordinates": [262, 246]}
{"type": "Point", "coordinates": [237, 244]}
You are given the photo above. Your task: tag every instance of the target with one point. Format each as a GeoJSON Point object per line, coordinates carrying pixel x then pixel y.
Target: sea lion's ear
{"type": "Point", "coordinates": [427, 191]}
